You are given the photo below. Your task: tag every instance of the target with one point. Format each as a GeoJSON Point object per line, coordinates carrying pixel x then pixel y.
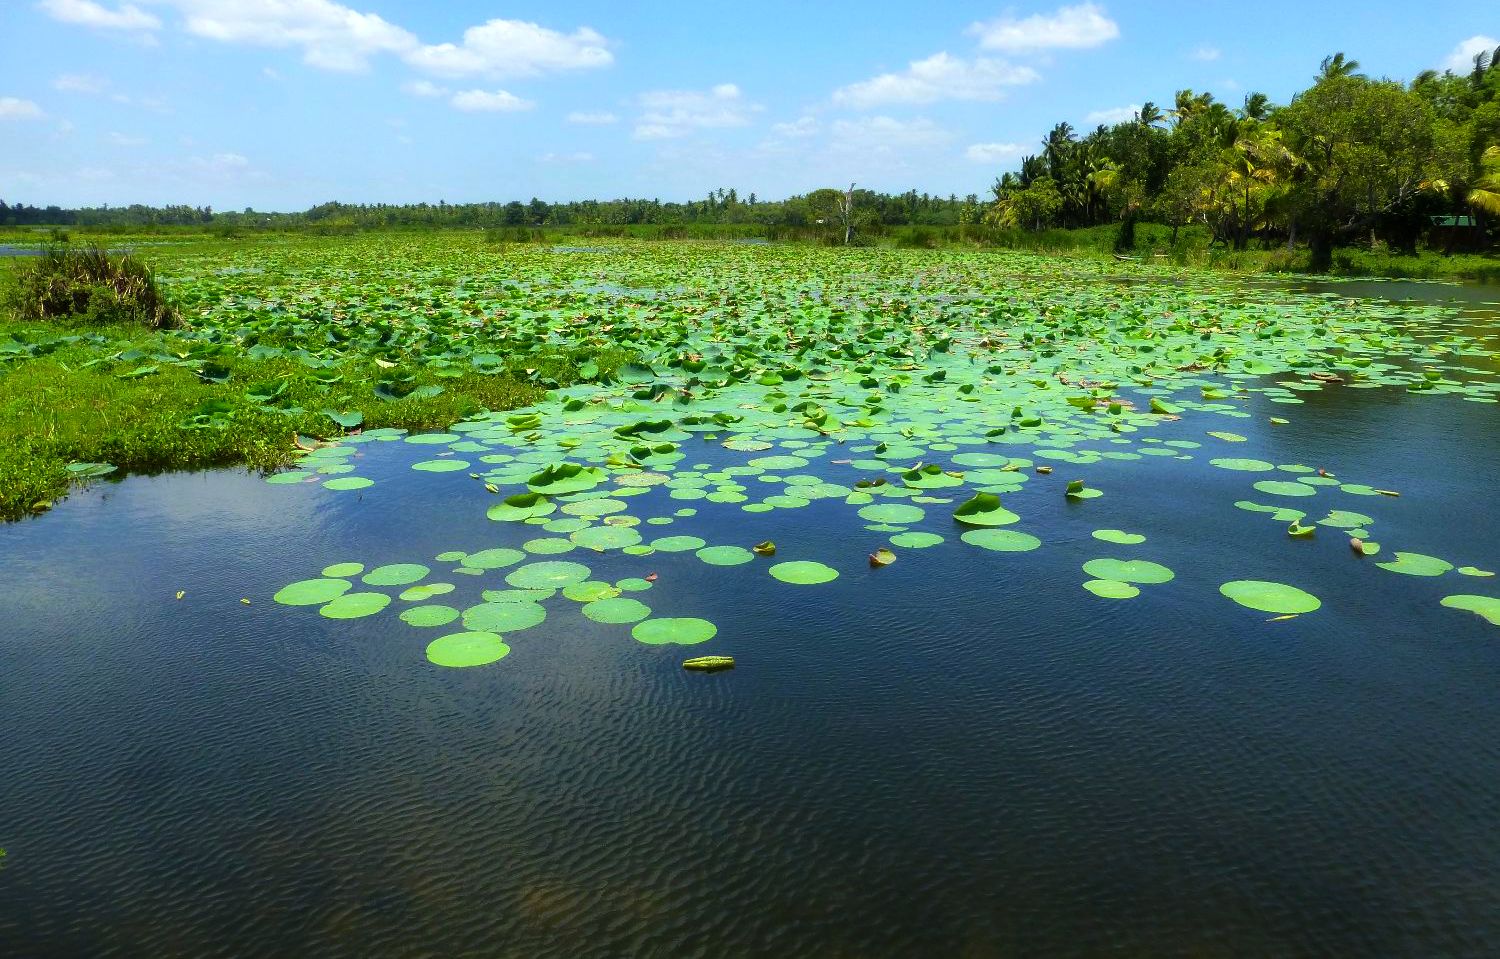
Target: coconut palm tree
{"type": "Point", "coordinates": [1336, 66]}
{"type": "Point", "coordinates": [1485, 194]}
{"type": "Point", "coordinates": [1149, 115]}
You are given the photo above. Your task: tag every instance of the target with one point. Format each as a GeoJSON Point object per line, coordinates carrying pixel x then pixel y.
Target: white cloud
{"type": "Point", "coordinates": [881, 134]}
{"type": "Point", "coordinates": [580, 157]}
{"type": "Point", "coordinates": [939, 77]}
{"type": "Point", "coordinates": [673, 113]}
{"type": "Point", "coordinates": [803, 126]}
{"type": "Point", "coordinates": [1461, 60]}
{"type": "Point", "coordinates": [597, 119]}
{"type": "Point", "coordinates": [1206, 54]}
{"type": "Point", "coordinates": [993, 152]}
{"type": "Point", "coordinates": [87, 13]}
{"type": "Point", "coordinates": [1114, 114]}
{"type": "Point", "coordinates": [14, 108]}
{"type": "Point", "coordinates": [330, 35]}
{"type": "Point", "coordinates": [424, 88]}
{"type": "Point", "coordinates": [1070, 28]}
{"type": "Point", "coordinates": [124, 140]}
{"type": "Point", "coordinates": [487, 101]}
{"type": "Point", "coordinates": [79, 83]}
{"type": "Point", "coordinates": [513, 48]}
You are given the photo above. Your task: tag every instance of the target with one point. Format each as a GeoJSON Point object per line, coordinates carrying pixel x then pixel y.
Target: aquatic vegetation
{"type": "Point", "coordinates": [770, 389]}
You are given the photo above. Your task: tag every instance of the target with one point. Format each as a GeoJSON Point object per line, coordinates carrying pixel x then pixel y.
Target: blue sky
{"type": "Point", "coordinates": [280, 104]}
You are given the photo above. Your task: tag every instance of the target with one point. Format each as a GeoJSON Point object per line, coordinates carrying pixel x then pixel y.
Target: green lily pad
{"type": "Point", "coordinates": [616, 610]}
{"type": "Point", "coordinates": [1111, 589]}
{"type": "Point", "coordinates": [804, 573]}
{"type": "Point", "coordinates": [1001, 540]}
{"type": "Point", "coordinates": [396, 574]}
{"type": "Point", "coordinates": [1269, 597]}
{"type": "Point", "coordinates": [459, 650]}
{"type": "Point", "coordinates": [1487, 607]}
{"type": "Point", "coordinates": [312, 592]}
{"type": "Point", "coordinates": [1128, 571]}
{"type": "Point", "coordinates": [356, 605]}
{"type": "Point", "coordinates": [984, 509]}
{"type": "Point", "coordinates": [1416, 564]}
{"type": "Point", "coordinates": [429, 615]}
{"type": "Point", "coordinates": [548, 574]}
{"type": "Point", "coordinates": [1118, 536]}
{"type": "Point", "coordinates": [503, 617]}
{"type": "Point", "coordinates": [684, 631]}
{"type": "Point", "coordinates": [725, 555]}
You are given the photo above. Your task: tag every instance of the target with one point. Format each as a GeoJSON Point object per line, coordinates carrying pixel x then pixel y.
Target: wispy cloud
{"type": "Point", "coordinates": [1206, 54]}
{"type": "Point", "coordinates": [14, 108]}
{"type": "Point", "coordinates": [1461, 60]}
{"type": "Point", "coordinates": [489, 101]}
{"type": "Point", "coordinates": [993, 152]}
{"type": "Point", "coordinates": [80, 83]}
{"type": "Point", "coordinates": [938, 77]}
{"type": "Point", "coordinates": [1114, 114]}
{"type": "Point", "coordinates": [666, 114]}
{"type": "Point", "coordinates": [592, 118]}
{"type": "Point", "coordinates": [1070, 28]}
{"type": "Point", "coordinates": [87, 13]}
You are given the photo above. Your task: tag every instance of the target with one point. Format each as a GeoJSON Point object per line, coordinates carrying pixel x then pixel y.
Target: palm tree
{"type": "Point", "coordinates": [1149, 115]}
{"type": "Point", "coordinates": [1334, 67]}
{"type": "Point", "coordinates": [1257, 106]}
{"type": "Point", "coordinates": [1485, 194]}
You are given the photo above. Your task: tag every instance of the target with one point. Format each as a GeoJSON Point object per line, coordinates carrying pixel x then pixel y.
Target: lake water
{"type": "Point", "coordinates": [963, 754]}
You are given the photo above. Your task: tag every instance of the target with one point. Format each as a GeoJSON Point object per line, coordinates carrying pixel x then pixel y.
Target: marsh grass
{"type": "Point", "coordinates": [89, 286]}
{"type": "Point", "coordinates": [56, 410]}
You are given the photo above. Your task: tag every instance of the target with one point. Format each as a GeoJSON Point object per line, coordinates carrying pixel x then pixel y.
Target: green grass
{"type": "Point", "coordinates": [54, 412]}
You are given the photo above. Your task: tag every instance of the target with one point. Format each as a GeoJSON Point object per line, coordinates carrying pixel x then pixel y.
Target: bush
{"type": "Point", "coordinates": [88, 286]}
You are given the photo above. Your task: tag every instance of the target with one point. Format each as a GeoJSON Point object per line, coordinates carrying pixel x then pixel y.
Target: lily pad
{"type": "Point", "coordinates": [1269, 597]}
{"type": "Point", "coordinates": [804, 573]}
{"type": "Point", "coordinates": [1128, 571]}
{"type": "Point", "coordinates": [683, 631]}
{"type": "Point", "coordinates": [312, 592]}
{"type": "Point", "coordinates": [459, 650]}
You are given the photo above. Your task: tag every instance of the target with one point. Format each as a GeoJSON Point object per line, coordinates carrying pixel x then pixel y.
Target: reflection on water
{"type": "Point", "coordinates": [961, 755]}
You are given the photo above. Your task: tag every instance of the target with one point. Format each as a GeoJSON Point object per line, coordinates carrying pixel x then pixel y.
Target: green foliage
{"type": "Point", "coordinates": [87, 286]}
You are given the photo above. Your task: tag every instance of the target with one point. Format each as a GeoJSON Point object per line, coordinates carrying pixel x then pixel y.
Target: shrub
{"type": "Point", "coordinates": [87, 286]}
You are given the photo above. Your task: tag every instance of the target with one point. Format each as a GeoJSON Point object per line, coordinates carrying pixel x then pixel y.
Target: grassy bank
{"type": "Point", "coordinates": [74, 391]}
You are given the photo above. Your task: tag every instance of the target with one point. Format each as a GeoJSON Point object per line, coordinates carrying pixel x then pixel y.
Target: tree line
{"type": "Point", "coordinates": [1350, 159]}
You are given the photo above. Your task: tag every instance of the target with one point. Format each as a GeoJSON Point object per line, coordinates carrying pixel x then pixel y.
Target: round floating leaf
{"type": "Point", "coordinates": [634, 584]}
{"type": "Point", "coordinates": [312, 592]}
{"type": "Point", "coordinates": [549, 574]}
{"type": "Point", "coordinates": [440, 466]}
{"type": "Point", "coordinates": [685, 631]}
{"type": "Point", "coordinates": [725, 555]}
{"type": "Point", "coordinates": [355, 605]}
{"type": "Point", "coordinates": [426, 591]}
{"type": "Point", "coordinates": [590, 590]}
{"type": "Point", "coordinates": [1284, 488]}
{"type": "Point", "coordinates": [804, 573]}
{"type": "Point", "coordinates": [1416, 564]}
{"type": "Point", "coordinates": [429, 615]}
{"type": "Point", "coordinates": [1268, 597]}
{"type": "Point", "coordinates": [1001, 540]}
{"type": "Point", "coordinates": [896, 514]}
{"type": "Point", "coordinates": [504, 617]}
{"type": "Point", "coordinates": [1243, 465]}
{"type": "Point", "coordinates": [396, 574]}
{"type": "Point", "coordinates": [344, 569]}
{"type": "Point", "coordinates": [467, 649]}
{"type": "Point", "coordinates": [617, 610]}
{"type": "Point", "coordinates": [606, 537]}
{"type": "Point", "coordinates": [1119, 536]}
{"type": "Point", "coordinates": [984, 509]}
{"type": "Point", "coordinates": [1111, 589]}
{"type": "Point", "coordinates": [1129, 570]}
{"type": "Point", "coordinates": [1485, 606]}
{"type": "Point", "coordinates": [497, 558]}
{"type": "Point", "coordinates": [915, 540]}
{"type": "Point", "coordinates": [348, 483]}
{"type": "Point", "coordinates": [677, 544]}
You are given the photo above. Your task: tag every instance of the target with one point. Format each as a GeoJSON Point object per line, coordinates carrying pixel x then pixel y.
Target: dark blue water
{"type": "Point", "coordinates": [963, 754]}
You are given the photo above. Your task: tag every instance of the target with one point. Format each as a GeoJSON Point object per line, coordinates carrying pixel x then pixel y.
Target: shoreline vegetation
{"type": "Point", "coordinates": [90, 394]}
